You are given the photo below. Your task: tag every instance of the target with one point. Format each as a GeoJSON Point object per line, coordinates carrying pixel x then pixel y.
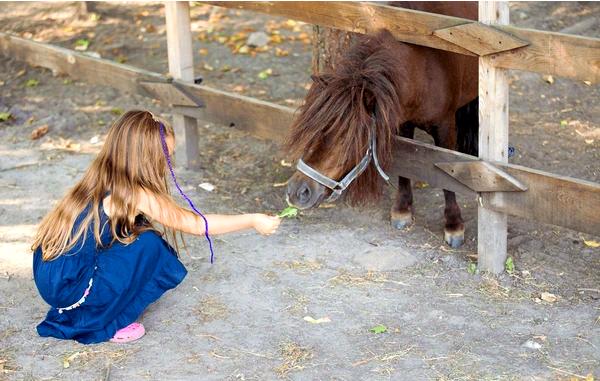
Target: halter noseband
{"type": "Point", "coordinates": [338, 187]}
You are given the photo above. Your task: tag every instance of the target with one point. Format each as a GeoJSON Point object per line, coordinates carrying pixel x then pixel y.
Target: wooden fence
{"type": "Point", "coordinates": [501, 189]}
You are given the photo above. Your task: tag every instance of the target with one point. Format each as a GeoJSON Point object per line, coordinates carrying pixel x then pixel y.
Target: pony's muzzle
{"type": "Point", "coordinates": [303, 192]}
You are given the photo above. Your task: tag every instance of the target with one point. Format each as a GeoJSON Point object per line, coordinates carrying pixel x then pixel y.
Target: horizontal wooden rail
{"type": "Point", "coordinates": [549, 198]}
{"type": "Point", "coordinates": [262, 119]}
{"type": "Point", "coordinates": [546, 52]}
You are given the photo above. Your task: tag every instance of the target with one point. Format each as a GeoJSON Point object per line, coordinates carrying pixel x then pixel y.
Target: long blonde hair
{"type": "Point", "coordinates": [132, 159]}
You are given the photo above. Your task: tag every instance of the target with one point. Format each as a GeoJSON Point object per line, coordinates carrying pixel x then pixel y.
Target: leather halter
{"type": "Point", "coordinates": [338, 187]}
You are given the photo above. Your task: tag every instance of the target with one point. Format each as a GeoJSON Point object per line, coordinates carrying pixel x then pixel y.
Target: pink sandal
{"type": "Point", "coordinates": [128, 334]}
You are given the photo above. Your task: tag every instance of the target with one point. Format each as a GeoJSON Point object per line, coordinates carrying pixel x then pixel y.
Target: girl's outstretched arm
{"type": "Point", "coordinates": [168, 213]}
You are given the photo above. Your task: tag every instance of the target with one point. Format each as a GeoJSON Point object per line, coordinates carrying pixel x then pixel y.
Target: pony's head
{"type": "Point", "coordinates": [332, 130]}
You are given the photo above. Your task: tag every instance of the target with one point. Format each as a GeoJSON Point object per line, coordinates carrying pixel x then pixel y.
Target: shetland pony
{"type": "Point", "coordinates": [385, 87]}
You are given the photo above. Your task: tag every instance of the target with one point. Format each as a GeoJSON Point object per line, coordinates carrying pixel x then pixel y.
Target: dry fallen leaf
{"type": "Point", "coordinates": [281, 53]}
{"type": "Point", "coordinates": [326, 206]}
{"type": "Point", "coordinates": [276, 39]}
{"type": "Point", "coordinates": [317, 321]}
{"type": "Point", "coordinates": [244, 50]}
{"type": "Point", "coordinates": [239, 89]}
{"type": "Point", "coordinates": [548, 297]}
{"type": "Point", "coordinates": [207, 187]}
{"type": "Point", "coordinates": [39, 132]}
{"type": "Point", "coordinates": [591, 243]}
{"type": "Point", "coordinates": [549, 79]}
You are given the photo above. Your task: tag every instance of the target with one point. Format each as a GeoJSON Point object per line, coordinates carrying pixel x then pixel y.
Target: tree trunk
{"type": "Point", "coordinates": [328, 47]}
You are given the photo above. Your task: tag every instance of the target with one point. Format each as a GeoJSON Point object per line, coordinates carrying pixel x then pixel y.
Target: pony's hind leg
{"type": "Point", "coordinates": [454, 228]}
{"type": "Point", "coordinates": [402, 210]}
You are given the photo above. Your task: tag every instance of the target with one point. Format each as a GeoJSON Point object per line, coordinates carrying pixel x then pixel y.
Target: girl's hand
{"type": "Point", "coordinates": [266, 225]}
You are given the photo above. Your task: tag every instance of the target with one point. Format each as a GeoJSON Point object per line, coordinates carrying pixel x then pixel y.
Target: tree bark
{"type": "Point", "coordinates": [329, 46]}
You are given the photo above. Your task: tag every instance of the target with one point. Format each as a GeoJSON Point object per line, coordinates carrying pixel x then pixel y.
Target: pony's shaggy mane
{"type": "Point", "coordinates": [336, 115]}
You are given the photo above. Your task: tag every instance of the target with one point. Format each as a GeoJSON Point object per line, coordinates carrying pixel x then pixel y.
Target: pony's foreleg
{"type": "Point", "coordinates": [454, 228]}
{"type": "Point", "coordinates": [402, 210]}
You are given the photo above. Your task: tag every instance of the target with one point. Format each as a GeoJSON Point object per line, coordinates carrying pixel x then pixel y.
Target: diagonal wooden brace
{"type": "Point", "coordinates": [481, 176]}
{"type": "Point", "coordinates": [172, 93]}
{"type": "Point", "coordinates": [480, 39]}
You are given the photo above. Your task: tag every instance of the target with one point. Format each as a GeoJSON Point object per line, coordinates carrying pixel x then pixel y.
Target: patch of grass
{"type": "Point", "coordinates": [211, 308]}
{"type": "Point", "coordinates": [492, 288]}
{"type": "Point", "coordinates": [298, 302]}
{"type": "Point", "coordinates": [472, 268]}
{"type": "Point", "coordinates": [117, 111]}
{"type": "Point", "coordinates": [4, 116]}
{"type": "Point", "coordinates": [7, 362]}
{"type": "Point", "coordinates": [384, 359]}
{"type": "Point", "coordinates": [509, 265]}
{"type": "Point", "coordinates": [32, 83]}
{"type": "Point", "coordinates": [85, 357]}
{"type": "Point", "coordinates": [270, 276]}
{"type": "Point", "coordinates": [301, 267]}
{"type": "Point", "coordinates": [82, 44]}
{"type": "Point", "coordinates": [367, 279]}
{"type": "Point", "coordinates": [294, 358]}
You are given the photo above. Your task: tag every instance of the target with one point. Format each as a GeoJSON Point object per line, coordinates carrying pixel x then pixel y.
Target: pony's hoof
{"type": "Point", "coordinates": [401, 220]}
{"type": "Point", "coordinates": [454, 238]}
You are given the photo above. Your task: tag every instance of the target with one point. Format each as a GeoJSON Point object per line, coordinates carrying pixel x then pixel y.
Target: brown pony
{"type": "Point", "coordinates": [388, 87]}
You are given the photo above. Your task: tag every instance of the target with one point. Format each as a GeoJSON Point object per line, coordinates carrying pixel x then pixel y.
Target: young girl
{"type": "Point", "coordinates": [98, 259]}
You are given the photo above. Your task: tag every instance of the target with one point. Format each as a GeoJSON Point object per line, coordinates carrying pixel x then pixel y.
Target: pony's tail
{"type": "Point", "coordinates": [467, 125]}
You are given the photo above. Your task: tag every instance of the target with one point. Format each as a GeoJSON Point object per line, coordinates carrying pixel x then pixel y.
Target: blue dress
{"type": "Point", "coordinates": [118, 281]}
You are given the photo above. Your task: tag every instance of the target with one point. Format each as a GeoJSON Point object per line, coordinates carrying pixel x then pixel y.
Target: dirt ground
{"type": "Point", "coordinates": [243, 318]}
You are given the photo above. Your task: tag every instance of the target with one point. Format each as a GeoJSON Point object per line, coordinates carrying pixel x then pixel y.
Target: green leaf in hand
{"type": "Point", "coordinates": [289, 212]}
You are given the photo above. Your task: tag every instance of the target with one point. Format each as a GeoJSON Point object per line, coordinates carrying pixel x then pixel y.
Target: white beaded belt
{"type": "Point", "coordinates": [80, 301]}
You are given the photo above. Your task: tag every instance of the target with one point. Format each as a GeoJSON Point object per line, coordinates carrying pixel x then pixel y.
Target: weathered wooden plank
{"type": "Point", "coordinates": [405, 24]}
{"type": "Point", "coordinates": [168, 93]}
{"type": "Point", "coordinates": [262, 119]}
{"type": "Point", "coordinates": [77, 65]}
{"type": "Point", "coordinates": [481, 176]}
{"type": "Point", "coordinates": [480, 39]}
{"type": "Point", "coordinates": [553, 199]}
{"type": "Point", "coordinates": [552, 53]}
{"type": "Point", "coordinates": [416, 160]}
{"type": "Point", "coordinates": [548, 52]}
{"type": "Point", "coordinates": [181, 67]}
{"type": "Point", "coordinates": [492, 226]}
{"type": "Point", "coordinates": [550, 199]}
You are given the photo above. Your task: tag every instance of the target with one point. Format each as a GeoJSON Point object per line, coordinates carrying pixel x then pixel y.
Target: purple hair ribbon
{"type": "Point", "coordinates": [166, 151]}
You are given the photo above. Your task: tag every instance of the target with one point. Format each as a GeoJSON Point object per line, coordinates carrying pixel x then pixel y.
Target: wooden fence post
{"type": "Point", "coordinates": [181, 66]}
{"type": "Point", "coordinates": [493, 144]}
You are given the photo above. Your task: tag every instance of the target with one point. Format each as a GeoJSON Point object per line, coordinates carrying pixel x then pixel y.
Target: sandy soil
{"type": "Point", "coordinates": [243, 317]}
